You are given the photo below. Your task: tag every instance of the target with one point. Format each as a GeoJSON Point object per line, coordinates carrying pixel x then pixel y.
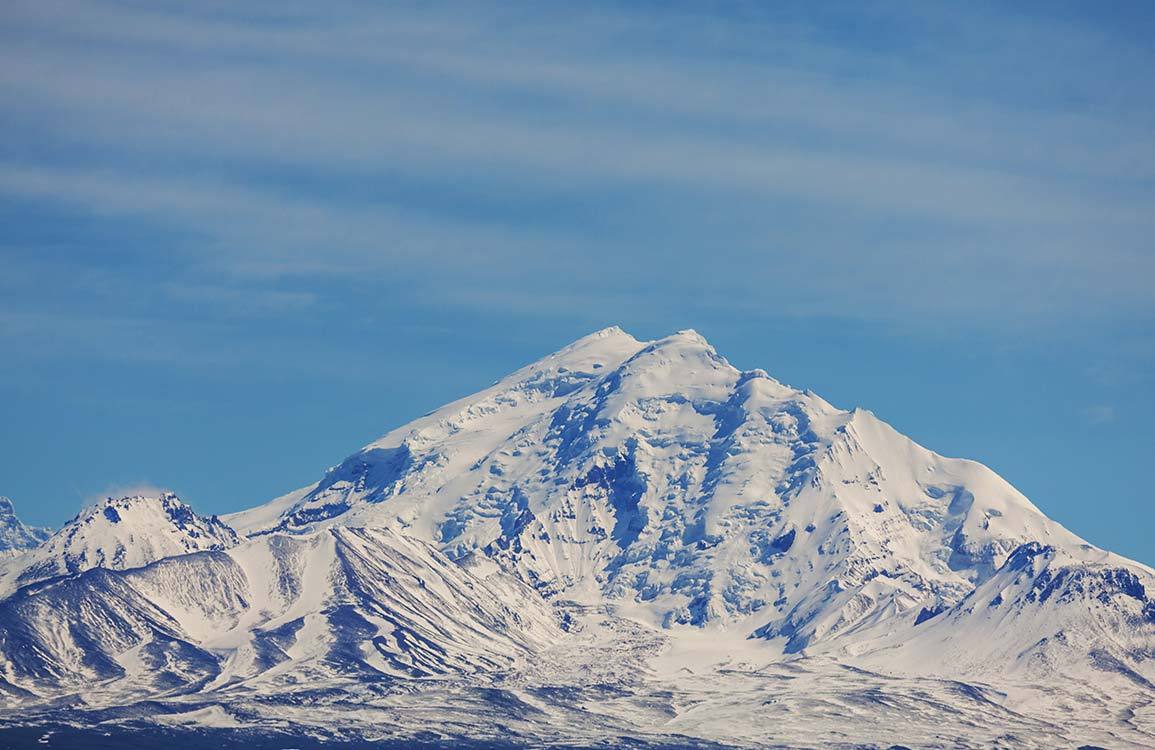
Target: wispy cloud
{"type": "Point", "coordinates": [1100, 414]}
{"type": "Point", "coordinates": [473, 150]}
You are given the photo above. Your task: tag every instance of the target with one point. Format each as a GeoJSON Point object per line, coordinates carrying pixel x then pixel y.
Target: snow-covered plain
{"type": "Point", "coordinates": [624, 539]}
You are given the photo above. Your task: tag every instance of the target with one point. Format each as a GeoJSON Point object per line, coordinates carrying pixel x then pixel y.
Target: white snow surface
{"type": "Point", "coordinates": [118, 533]}
{"type": "Point", "coordinates": [624, 538]}
{"type": "Point", "coordinates": [658, 475]}
{"type": "Point", "coordinates": [15, 535]}
{"type": "Point", "coordinates": [273, 611]}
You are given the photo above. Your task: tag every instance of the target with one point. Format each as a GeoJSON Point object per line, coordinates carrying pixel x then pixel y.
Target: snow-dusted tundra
{"type": "Point", "coordinates": [624, 539]}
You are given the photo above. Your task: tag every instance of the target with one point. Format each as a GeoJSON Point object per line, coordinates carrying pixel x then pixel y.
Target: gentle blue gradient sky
{"type": "Point", "coordinates": [240, 240]}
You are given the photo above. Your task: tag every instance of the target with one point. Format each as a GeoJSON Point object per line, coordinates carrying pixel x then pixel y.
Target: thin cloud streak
{"type": "Point", "coordinates": [456, 50]}
{"type": "Point", "coordinates": [549, 112]}
{"type": "Point", "coordinates": [330, 123]}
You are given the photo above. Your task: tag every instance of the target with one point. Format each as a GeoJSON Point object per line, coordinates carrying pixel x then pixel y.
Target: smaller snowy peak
{"type": "Point", "coordinates": [687, 340]}
{"type": "Point", "coordinates": [1047, 610]}
{"type": "Point", "coordinates": [593, 354]}
{"type": "Point", "coordinates": [523, 393]}
{"type": "Point", "coordinates": [609, 332]}
{"type": "Point", "coordinates": [689, 334]}
{"type": "Point", "coordinates": [683, 365]}
{"type": "Point", "coordinates": [120, 533]}
{"type": "Point", "coordinates": [758, 386]}
{"type": "Point", "coordinates": [15, 535]}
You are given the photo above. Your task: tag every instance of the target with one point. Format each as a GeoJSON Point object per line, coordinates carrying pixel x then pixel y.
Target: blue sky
{"type": "Point", "coordinates": [238, 243]}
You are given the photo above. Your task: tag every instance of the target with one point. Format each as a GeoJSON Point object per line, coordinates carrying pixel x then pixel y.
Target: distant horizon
{"type": "Point", "coordinates": [240, 243]}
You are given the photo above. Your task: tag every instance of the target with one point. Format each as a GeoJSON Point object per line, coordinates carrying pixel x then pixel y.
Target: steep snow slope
{"type": "Point", "coordinates": [15, 535]}
{"type": "Point", "coordinates": [1047, 611]}
{"type": "Point", "coordinates": [657, 475]}
{"type": "Point", "coordinates": [118, 533]}
{"type": "Point", "coordinates": [469, 429]}
{"type": "Point", "coordinates": [352, 603]}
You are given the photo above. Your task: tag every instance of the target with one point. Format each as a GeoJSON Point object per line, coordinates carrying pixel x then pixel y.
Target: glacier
{"type": "Point", "coordinates": [626, 539]}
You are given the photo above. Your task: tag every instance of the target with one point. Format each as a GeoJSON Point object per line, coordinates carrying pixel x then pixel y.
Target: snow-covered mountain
{"type": "Point", "coordinates": [1047, 611]}
{"type": "Point", "coordinates": [658, 476]}
{"type": "Point", "coordinates": [116, 534]}
{"type": "Point", "coordinates": [625, 538]}
{"type": "Point", "coordinates": [354, 603]}
{"type": "Point", "coordinates": [15, 535]}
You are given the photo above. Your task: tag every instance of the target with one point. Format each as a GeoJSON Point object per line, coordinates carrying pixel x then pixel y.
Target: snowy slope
{"type": "Point", "coordinates": [15, 535]}
{"type": "Point", "coordinates": [352, 603]}
{"type": "Point", "coordinates": [118, 533]}
{"type": "Point", "coordinates": [1047, 611]}
{"type": "Point", "coordinates": [448, 441]}
{"type": "Point", "coordinates": [658, 476]}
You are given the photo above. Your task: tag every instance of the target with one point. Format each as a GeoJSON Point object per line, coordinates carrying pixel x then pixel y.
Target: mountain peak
{"type": "Point", "coordinates": [608, 332]}
{"type": "Point", "coordinates": [691, 334]}
{"type": "Point", "coordinates": [15, 535]}
{"type": "Point", "coordinates": [162, 498]}
{"type": "Point", "coordinates": [605, 349]}
{"type": "Point", "coordinates": [687, 349]}
{"type": "Point", "coordinates": [143, 496]}
{"type": "Point", "coordinates": [687, 337]}
{"type": "Point", "coordinates": [598, 351]}
{"type": "Point", "coordinates": [120, 533]}
{"type": "Point", "coordinates": [602, 337]}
